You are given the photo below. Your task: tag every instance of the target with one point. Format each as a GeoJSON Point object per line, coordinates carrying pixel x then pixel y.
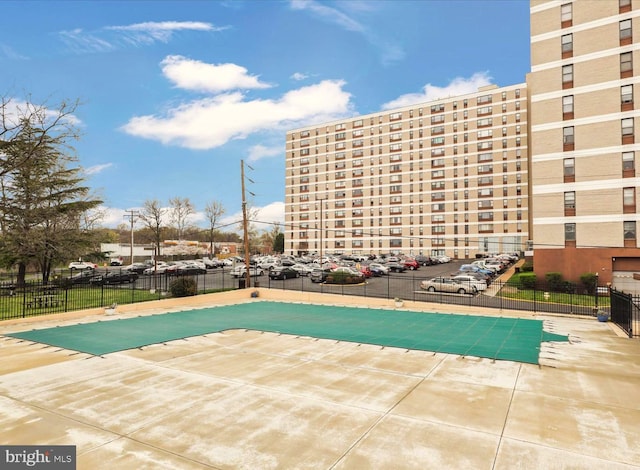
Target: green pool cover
{"type": "Point", "coordinates": [511, 339]}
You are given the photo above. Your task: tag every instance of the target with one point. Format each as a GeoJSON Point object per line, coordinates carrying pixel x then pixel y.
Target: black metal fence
{"type": "Point", "coordinates": [625, 312]}
{"type": "Point", "coordinates": [62, 295]}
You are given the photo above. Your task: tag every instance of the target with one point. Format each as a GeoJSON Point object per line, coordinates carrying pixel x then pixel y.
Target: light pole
{"type": "Point", "coordinates": [321, 228]}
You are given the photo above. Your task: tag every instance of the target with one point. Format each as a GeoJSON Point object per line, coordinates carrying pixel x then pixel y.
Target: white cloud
{"type": "Point", "coordinates": [299, 76]}
{"type": "Point", "coordinates": [390, 51]}
{"type": "Point", "coordinates": [331, 14]}
{"type": "Point", "coordinates": [266, 216]}
{"type": "Point", "coordinates": [10, 53]}
{"type": "Point", "coordinates": [458, 86]}
{"type": "Point", "coordinates": [258, 152]}
{"type": "Point", "coordinates": [112, 217]}
{"type": "Point", "coordinates": [16, 110]}
{"type": "Point", "coordinates": [80, 41]}
{"type": "Point", "coordinates": [212, 122]}
{"type": "Point", "coordinates": [272, 213]}
{"type": "Point", "coordinates": [95, 169]}
{"type": "Point", "coordinates": [140, 34]}
{"type": "Point", "coordinates": [199, 76]}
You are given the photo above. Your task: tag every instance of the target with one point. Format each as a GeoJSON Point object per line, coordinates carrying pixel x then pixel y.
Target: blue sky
{"type": "Point", "coordinates": [176, 93]}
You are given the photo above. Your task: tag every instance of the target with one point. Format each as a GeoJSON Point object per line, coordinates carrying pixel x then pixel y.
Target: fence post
{"type": "Point", "coordinates": [24, 300]}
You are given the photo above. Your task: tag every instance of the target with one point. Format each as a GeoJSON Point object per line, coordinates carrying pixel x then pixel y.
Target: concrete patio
{"type": "Point", "coordinates": [247, 399]}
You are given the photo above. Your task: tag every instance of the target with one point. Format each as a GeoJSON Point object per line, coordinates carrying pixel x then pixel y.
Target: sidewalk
{"type": "Point", "coordinates": [493, 289]}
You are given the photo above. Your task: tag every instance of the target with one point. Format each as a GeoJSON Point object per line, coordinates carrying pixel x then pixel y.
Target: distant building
{"type": "Point", "coordinates": [445, 177]}
{"type": "Point", "coordinates": [167, 248]}
{"type": "Point", "coordinates": [547, 166]}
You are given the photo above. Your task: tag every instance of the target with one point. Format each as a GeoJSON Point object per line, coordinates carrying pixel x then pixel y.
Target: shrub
{"type": "Point", "coordinates": [555, 281]}
{"type": "Point", "coordinates": [589, 282]}
{"type": "Point", "coordinates": [341, 277]}
{"type": "Point", "coordinates": [183, 287]}
{"type": "Point", "coordinates": [527, 267]}
{"type": "Point", "coordinates": [528, 280]}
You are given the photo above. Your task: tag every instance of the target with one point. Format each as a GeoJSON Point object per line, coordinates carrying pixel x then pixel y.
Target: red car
{"type": "Point", "coordinates": [366, 271]}
{"type": "Point", "coordinates": [411, 264]}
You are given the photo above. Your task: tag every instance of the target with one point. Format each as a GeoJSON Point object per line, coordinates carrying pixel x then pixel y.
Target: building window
{"type": "Point", "coordinates": [629, 200]}
{"type": "Point", "coordinates": [567, 107]}
{"type": "Point", "coordinates": [567, 76]}
{"type": "Point", "coordinates": [570, 203]}
{"type": "Point", "coordinates": [628, 164]}
{"type": "Point", "coordinates": [570, 233]}
{"type": "Point", "coordinates": [624, 6]}
{"type": "Point", "coordinates": [567, 45]}
{"type": "Point", "coordinates": [627, 131]}
{"type": "Point", "coordinates": [626, 65]}
{"type": "Point", "coordinates": [625, 32]}
{"type": "Point", "coordinates": [629, 229]}
{"type": "Point", "coordinates": [569, 170]}
{"type": "Point", "coordinates": [566, 15]}
{"type": "Point", "coordinates": [568, 138]}
{"type": "Point", "coordinates": [626, 97]}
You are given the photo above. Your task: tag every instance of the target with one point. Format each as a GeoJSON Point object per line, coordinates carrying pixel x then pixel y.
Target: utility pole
{"type": "Point", "coordinates": [132, 215]}
{"type": "Point", "coordinates": [245, 227]}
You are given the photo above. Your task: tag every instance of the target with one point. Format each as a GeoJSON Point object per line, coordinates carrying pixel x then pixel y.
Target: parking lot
{"type": "Point", "coordinates": [405, 284]}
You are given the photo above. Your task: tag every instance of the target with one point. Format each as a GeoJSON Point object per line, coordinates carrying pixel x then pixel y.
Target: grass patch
{"type": "Point", "coordinates": [517, 292]}
{"type": "Point", "coordinates": [24, 304]}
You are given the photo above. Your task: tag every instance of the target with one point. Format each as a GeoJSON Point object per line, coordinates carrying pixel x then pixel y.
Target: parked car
{"type": "Point", "coordinates": [445, 284]}
{"type": "Point", "coordinates": [483, 264]}
{"type": "Point", "coordinates": [80, 265]}
{"type": "Point", "coordinates": [471, 281]}
{"type": "Point", "coordinates": [395, 267]}
{"type": "Point", "coordinates": [378, 269]}
{"type": "Point", "coordinates": [411, 264]}
{"type": "Point", "coordinates": [424, 260]}
{"type": "Point", "coordinates": [83, 277]}
{"type": "Point", "coordinates": [477, 275]}
{"type": "Point", "coordinates": [283, 272]}
{"type": "Point", "coordinates": [366, 271]}
{"type": "Point", "coordinates": [241, 271]}
{"type": "Point", "coordinates": [319, 275]}
{"type": "Point", "coordinates": [160, 268]}
{"type": "Point", "coordinates": [211, 263]}
{"type": "Point", "coordinates": [303, 269]}
{"type": "Point", "coordinates": [476, 268]}
{"type": "Point", "coordinates": [137, 268]}
{"type": "Point", "coordinates": [191, 268]}
{"type": "Point", "coordinates": [114, 277]}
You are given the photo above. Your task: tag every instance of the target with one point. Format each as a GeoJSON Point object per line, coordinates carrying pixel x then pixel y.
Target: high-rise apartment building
{"type": "Point", "coordinates": [582, 137]}
{"type": "Point", "coordinates": [444, 177]}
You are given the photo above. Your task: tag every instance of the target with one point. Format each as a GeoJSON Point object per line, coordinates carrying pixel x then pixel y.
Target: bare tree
{"type": "Point", "coordinates": [152, 216]}
{"type": "Point", "coordinates": [181, 209]}
{"type": "Point", "coordinates": [252, 230]}
{"type": "Point", "coordinates": [37, 124]}
{"type": "Point", "coordinates": [213, 210]}
{"type": "Point", "coordinates": [91, 220]}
